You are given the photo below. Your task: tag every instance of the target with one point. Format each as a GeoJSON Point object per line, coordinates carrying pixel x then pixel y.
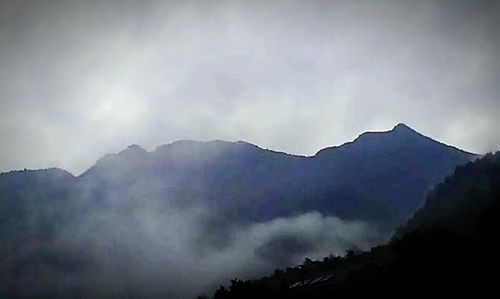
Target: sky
{"type": "Point", "coordinates": [79, 79]}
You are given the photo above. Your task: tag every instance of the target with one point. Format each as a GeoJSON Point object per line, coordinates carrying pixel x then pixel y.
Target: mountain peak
{"type": "Point", "coordinates": [211, 145]}
{"type": "Point", "coordinates": [400, 135]}
{"type": "Point", "coordinates": [134, 148]}
{"type": "Point", "coordinates": [402, 127]}
{"type": "Point", "coordinates": [399, 131]}
{"type": "Point", "coordinates": [132, 152]}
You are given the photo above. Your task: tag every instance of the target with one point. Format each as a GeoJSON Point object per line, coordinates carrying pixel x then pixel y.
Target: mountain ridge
{"type": "Point", "coordinates": [398, 129]}
{"type": "Point", "coordinates": [377, 175]}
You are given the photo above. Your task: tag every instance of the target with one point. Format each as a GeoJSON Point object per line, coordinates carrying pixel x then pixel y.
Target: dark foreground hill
{"type": "Point", "coordinates": [448, 249]}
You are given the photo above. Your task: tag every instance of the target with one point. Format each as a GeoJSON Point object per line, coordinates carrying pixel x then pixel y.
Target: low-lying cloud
{"type": "Point", "coordinates": [157, 250]}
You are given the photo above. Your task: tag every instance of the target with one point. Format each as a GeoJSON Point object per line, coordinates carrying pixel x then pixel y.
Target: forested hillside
{"type": "Point", "coordinates": [449, 248]}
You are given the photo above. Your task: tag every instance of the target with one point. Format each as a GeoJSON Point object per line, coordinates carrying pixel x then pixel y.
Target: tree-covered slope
{"type": "Point", "coordinates": [449, 248]}
{"type": "Point", "coordinates": [461, 199]}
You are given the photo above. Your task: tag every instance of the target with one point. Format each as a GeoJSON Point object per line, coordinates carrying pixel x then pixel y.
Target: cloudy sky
{"type": "Point", "coordinates": [82, 78]}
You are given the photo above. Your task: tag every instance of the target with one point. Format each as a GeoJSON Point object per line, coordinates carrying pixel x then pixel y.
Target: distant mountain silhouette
{"type": "Point", "coordinates": [380, 177]}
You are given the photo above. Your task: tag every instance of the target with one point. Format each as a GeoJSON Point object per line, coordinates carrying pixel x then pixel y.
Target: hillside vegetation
{"type": "Point", "coordinates": [449, 248]}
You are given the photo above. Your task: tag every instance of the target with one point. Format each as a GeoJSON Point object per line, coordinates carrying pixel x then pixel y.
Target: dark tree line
{"type": "Point", "coordinates": [449, 248]}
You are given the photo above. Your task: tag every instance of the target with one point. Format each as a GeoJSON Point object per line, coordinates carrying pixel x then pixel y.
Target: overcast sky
{"type": "Point", "coordinates": [82, 78]}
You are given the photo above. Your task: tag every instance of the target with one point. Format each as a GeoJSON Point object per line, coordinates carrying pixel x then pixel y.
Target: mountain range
{"type": "Point", "coordinates": [72, 230]}
{"type": "Point", "coordinates": [380, 177]}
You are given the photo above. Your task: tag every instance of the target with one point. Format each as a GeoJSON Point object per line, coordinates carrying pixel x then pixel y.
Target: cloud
{"type": "Point", "coordinates": [80, 79]}
{"type": "Point", "coordinates": [169, 253]}
{"type": "Point", "coordinates": [133, 245]}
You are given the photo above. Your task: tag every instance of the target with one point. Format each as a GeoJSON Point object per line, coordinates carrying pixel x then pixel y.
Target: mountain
{"type": "Point", "coordinates": [132, 222]}
{"type": "Point", "coordinates": [380, 177]}
{"type": "Point", "coordinates": [395, 168]}
{"type": "Point", "coordinates": [29, 201]}
{"type": "Point", "coordinates": [449, 248]}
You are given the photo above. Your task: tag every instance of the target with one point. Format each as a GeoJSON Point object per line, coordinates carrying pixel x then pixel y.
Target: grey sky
{"type": "Point", "coordinates": [82, 78]}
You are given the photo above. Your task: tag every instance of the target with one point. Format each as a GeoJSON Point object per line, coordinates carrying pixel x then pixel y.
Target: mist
{"type": "Point", "coordinates": [156, 249]}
